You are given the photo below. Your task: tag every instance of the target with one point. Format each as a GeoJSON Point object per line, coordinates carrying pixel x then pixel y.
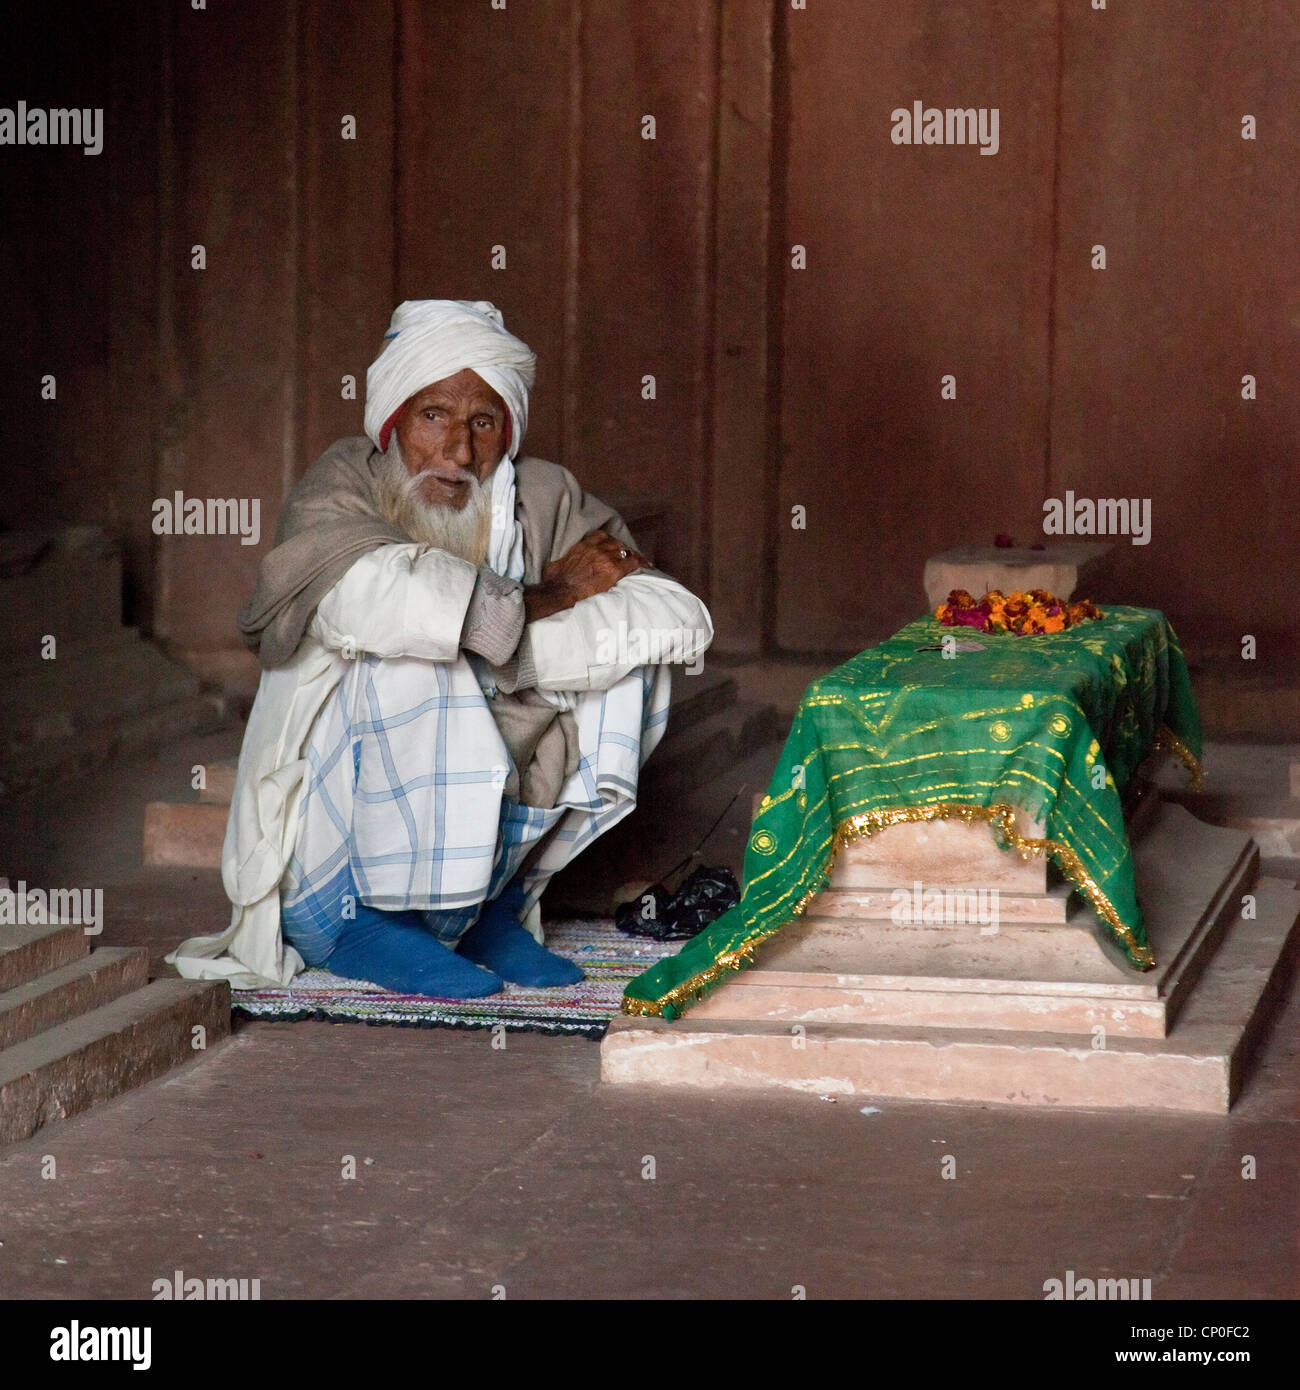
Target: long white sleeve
{"type": "Point", "coordinates": [646, 618]}
{"type": "Point", "coordinates": [398, 600]}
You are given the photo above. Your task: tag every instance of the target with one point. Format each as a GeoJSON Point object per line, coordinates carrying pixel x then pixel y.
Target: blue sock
{"type": "Point", "coordinates": [393, 949]}
{"type": "Point", "coordinates": [500, 942]}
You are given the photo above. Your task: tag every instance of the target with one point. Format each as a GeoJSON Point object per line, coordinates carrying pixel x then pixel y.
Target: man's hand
{"type": "Point", "coordinates": [594, 564]}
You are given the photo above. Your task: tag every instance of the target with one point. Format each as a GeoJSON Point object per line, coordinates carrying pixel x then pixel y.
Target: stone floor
{"type": "Point", "coordinates": [478, 1168]}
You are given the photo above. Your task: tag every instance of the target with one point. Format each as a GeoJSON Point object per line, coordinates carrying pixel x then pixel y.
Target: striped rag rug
{"type": "Point", "coordinates": [608, 957]}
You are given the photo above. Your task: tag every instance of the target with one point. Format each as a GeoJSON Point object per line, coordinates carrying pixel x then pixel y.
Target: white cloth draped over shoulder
{"type": "Point", "coordinates": [410, 601]}
{"type": "Point", "coordinates": [338, 584]}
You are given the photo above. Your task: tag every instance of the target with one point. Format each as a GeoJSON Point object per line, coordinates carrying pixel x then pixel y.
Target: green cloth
{"type": "Point", "coordinates": [903, 732]}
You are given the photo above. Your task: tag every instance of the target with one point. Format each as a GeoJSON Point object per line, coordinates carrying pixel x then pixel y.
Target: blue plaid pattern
{"type": "Point", "coordinates": [403, 808]}
{"type": "Point", "coordinates": [313, 917]}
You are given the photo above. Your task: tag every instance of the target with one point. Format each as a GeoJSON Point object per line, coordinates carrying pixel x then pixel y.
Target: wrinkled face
{"type": "Point", "coordinates": [455, 429]}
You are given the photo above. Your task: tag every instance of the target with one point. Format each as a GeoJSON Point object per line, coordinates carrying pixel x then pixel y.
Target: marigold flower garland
{"type": "Point", "coordinates": [1021, 614]}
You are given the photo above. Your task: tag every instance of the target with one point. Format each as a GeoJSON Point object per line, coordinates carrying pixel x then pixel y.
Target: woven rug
{"type": "Point", "coordinates": [608, 957]}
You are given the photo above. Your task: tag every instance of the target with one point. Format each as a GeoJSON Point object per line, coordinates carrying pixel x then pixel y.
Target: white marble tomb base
{"type": "Point", "coordinates": [846, 1002]}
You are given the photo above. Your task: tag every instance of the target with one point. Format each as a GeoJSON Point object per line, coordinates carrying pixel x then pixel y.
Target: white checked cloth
{"type": "Point", "coordinates": [405, 776]}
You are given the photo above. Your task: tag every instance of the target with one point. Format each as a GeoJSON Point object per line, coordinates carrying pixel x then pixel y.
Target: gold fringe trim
{"type": "Point", "coordinates": [728, 961]}
{"type": "Point", "coordinates": [1002, 816]}
{"type": "Point", "coordinates": [1169, 742]}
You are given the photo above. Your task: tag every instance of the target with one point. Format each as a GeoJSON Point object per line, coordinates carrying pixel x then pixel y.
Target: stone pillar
{"type": "Point", "coordinates": [295, 223]}
{"type": "Point", "coordinates": [740, 541]}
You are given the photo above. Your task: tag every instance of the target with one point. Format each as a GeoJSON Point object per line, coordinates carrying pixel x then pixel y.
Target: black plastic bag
{"type": "Point", "coordinates": [700, 900]}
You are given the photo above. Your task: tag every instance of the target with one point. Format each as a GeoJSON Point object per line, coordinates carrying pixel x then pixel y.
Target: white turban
{"type": "Point", "coordinates": [429, 339]}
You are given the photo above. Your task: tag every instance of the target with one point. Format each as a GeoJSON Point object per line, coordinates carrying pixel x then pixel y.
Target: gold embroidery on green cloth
{"type": "Point", "coordinates": [726, 963]}
{"type": "Point", "coordinates": [1169, 742]}
{"type": "Point", "coordinates": [763, 842]}
{"type": "Point", "coordinates": [895, 734]}
{"type": "Point", "coordinates": [1000, 816]}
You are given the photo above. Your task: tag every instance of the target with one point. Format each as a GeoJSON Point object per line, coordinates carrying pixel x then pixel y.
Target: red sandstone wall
{"type": "Point", "coordinates": [1202, 287]}
{"type": "Point", "coordinates": [628, 257]}
{"type": "Point", "coordinates": [922, 261]}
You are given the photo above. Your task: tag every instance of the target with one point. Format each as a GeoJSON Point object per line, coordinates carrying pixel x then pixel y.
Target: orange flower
{"type": "Point", "coordinates": [1019, 613]}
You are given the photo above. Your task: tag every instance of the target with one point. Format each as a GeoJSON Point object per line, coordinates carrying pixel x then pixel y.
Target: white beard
{"type": "Point", "coordinates": [464, 533]}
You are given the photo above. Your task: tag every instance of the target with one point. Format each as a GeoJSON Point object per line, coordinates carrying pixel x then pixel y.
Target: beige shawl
{"type": "Point", "coordinates": [332, 517]}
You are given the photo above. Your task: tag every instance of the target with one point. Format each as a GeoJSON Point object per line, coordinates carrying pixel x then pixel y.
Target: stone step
{"type": "Point", "coordinates": [184, 834]}
{"type": "Point", "coordinates": [1053, 906]}
{"type": "Point", "coordinates": [942, 854]}
{"type": "Point", "coordinates": [67, 759]}
{"type": "Point", "coordinates": [1233, 707]}
{"type": "Point", "coordinates": [708, 748]}
{"type": "Point", "coordinates": [1011, 974]}
{"type": "Point", "coordinates": [219, 782]}
{"type": "Point", "coordinates": [1273, 821]}
{"type": "Point", "coordinates": [29, 951]}
{"type": "Point", "coordinates": [1252, 771]}
{"type": "Point", "coordinates": [65, 584]}
{"type": "Point", "coordinates": [1199, 1067]}
{"type": "Point", "coordinates": [111, 1049]}
{"type": "Point", "coordinates": [85, 683]}
{"type": "Point", "coordinates": [710, 820]}
{"type": "Point", "coordinates": [718, 733]}
{"type": "Point", "coordinates": [694, 698]}
{"type": "Point", "coordinates": [93, 702]}
{"type": "Point", "coordinates": [71, 990]}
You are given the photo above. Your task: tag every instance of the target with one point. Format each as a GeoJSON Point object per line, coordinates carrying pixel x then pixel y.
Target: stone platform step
{"type": "Point", "coordinates": [110, 1049]}
{"type": "Point", "coordinates": [65, 584]}
{"type": "Point", "coordinates": [694, 700]}
{"type": "Point", "coordinates": [219, 782]}
{"type": "Point", "coordinates": [1236, 704]}
{"type": "Point", "coordinates": [29, 951]}
{"type": "Point", "coordinates": [1055, 905]}
{"type": "Point", "coordinates": [86, 683]}
{"type": "Point", "coordinates": [1015, 974]}
{"type": "Point", "coordinates": [690, 757]}
{"type": "Point", "coordinates": [696, 697]}
{"type": "Point", "coordinates": [1273, 821]}
{"type": "Point", "coordinates": [187, 834]}
{"type": "Point", "coordinates": [93, 701]}
{"type": "Point", "coordinates": [70, 990]}
{"type": "Point", "coordinates": [1199, 1067]}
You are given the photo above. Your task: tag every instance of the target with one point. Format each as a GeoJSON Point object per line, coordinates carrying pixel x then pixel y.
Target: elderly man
{"type": "Point", "coordinates": [464, 668]}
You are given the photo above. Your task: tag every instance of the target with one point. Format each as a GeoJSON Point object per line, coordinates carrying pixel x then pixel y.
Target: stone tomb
{"type": "Point", "coordinates": [1031, 1009]}
{"type": "Point", "coordinates": [1059, 568]}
